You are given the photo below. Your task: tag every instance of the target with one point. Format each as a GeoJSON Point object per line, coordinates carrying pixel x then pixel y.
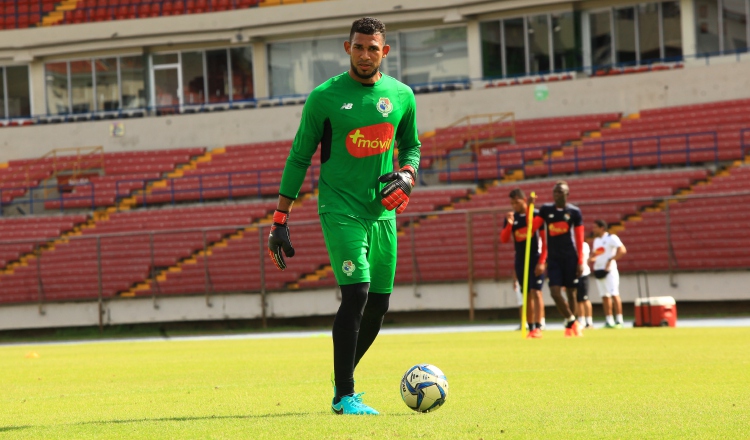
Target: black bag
{"type": "Point", "coordinates": [601, 273]}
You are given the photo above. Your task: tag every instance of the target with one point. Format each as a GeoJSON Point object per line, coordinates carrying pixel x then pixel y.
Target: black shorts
{"type": "Point", "coordinates": [582, 294]}
{"type": "Point", "coordinates": [562, 272]}
{"type": "Point", "coordinates": [535, 282]}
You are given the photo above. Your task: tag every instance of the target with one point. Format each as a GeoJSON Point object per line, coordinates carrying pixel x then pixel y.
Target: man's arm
{"type": "Point", "coordinates": [507, 231]}
{"type": "Point", "coordinates": [309, 135]}
{"type": "Point", "coordinates": [618, 253]}
{"type": "Point", "coordinates": [579, 233]}
{"type": "Point", "coordinates": [407, 136]}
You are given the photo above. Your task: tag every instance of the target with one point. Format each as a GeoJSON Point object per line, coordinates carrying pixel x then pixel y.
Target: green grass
{"type": "Point", "coordinates": [631, 383]}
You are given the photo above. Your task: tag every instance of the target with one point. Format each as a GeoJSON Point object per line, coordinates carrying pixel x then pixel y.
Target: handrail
{"type": "Point", "coordinates": [230, 187]}
{"type": "Point", "coordinates": [590, 70]}
{"type": "Point", "coordinates": [81, 155]}
{"type": "Point", "coordinates": [745, 144]}
{"type": "Point", "coordinates": [260, 226]}
{"type": "Point", "coordinates": [500, 167]}
{"type": "Point", "coordinates": [501, 155]}
{"type": "Point", "coordinates": [503, 122]}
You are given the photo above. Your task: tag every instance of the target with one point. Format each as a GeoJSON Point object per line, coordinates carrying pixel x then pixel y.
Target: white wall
{"type": "Point", "coordinates": [627, 93]}
{"type": "Point", "coordinates": [704, 286]}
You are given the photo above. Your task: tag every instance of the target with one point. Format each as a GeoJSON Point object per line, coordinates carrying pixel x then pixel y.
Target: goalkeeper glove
{"type": "Point", "coordinates": [279, 239]}
{"type": "Point", "coordinates": [395, 194]}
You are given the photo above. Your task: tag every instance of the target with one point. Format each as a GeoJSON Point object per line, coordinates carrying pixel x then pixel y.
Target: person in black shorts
{"type": "Point", "coordinates": [515, 227]}
{"type": "Point", "coordinates": [564, 221]}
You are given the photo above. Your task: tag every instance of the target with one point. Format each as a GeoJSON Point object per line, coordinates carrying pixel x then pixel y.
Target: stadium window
{"type": "Point", "coordinates": [434, 55]}
{"type": "Point", "coordinates": [492, 56]}
{"type": "Point", "coordinates": [649, 40]}
{"type": "Point", "coordinates": [3, 103]}
{"type": "Point", "coordinates": [132, 82]}
{"type": "Point", "coordinates": [515, 47]}
{"type": "Point", "coordinates": [15, 98]}
{"type": "Point", "coordinates": [81, 86]}
{"type": "Point", "coordinates": [707, 26]}
{"type": "Point", "coordinates": [734, 32]}
{"type": "Point", "coordinates": [193, 80]}
{"type": "Point", "coordinates": [298, 67]}
{"type": "Point", "coordinates": [391, 65]}
{"type": "Point", "coordinates": [565, 42]}
{"type": "Point", "coordinates": [625, 37]}
{"type": "Point", "coordinates": [601, 38]}
{"type": "Point", "coordinates": [671, 25]}
{"type": "Point", "coordinates": [107, 87]}
{"type": "Point", "coordinates": [58, 92]}
{"type": "Point", "coordinates": [241, 59]}
{"type": "Point", "coordinates": [165, 58]}
{"type": "Point", "coordinates": [217, 67]}
{"type": "Point", "coordinates": [539, 43]}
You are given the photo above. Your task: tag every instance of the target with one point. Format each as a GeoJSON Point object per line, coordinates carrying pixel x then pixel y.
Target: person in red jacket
{"type": "Point", "coordinates": [516, 227]}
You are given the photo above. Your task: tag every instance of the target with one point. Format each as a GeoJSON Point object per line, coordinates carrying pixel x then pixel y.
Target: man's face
{"type": "Point", "coordinates": [598, 230]}
{"type": "Point", "coordinates": [366, 52]}
{"type": "Point", "coordinates": [518, 204]}
{"type": "Point", "coordinates": [560, 194]}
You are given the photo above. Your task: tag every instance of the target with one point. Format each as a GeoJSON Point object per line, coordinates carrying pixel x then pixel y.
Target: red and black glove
{"type": "Point", "coordinates": [395, 194]}
{"type": "Point", "coordinates": [279, 239]}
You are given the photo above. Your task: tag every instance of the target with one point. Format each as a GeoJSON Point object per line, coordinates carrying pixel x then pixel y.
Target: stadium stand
{"type": "Point", "coordinates": [702, 233]}
{"type": "Point", "coordinates": [122, 174]}
{"type": "Point", "coordinates": [63, 251]}
{"type": "Point", "coordinates": [681, 135]}
{"type": "Point", "coordinates": [533, 138]}
{"type": "Point", "coordinates": [134, 244]}
{"type": "Point", "coordinates": [30, 232]}
{"type": "Point", "coordinates": [20, 14]}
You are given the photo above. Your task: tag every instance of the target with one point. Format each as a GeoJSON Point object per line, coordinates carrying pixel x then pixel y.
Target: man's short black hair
{"type": "Point", "coordinates": [517, 194]}
{"type": "Point", "coordinates": [601, 223]}
{"type": "Point", "coordinates": [562, 183]}
{"type": "Point", "coordinates": [367, 26]}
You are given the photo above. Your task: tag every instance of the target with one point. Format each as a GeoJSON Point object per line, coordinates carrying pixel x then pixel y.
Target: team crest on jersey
{"type": "Point", "coordinates": [348, 267]}
{"type": "Point", "coordinates": [567, 216]}
{"type": "Point", "coordinates": [385, 107]}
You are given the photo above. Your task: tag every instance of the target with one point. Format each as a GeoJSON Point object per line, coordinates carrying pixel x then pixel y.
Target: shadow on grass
{"type": "Point", "coordinates": [13, 428]}
{"type": "Point", "coordinates": [191, 419]}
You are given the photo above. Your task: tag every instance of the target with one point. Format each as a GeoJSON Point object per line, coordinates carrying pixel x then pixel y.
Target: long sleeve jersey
{"type": "Point", "coordinates": [357, 127]}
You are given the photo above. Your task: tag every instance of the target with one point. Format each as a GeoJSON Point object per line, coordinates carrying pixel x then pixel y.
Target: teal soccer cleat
{"type": "Point", "coordinates": [352, 405]}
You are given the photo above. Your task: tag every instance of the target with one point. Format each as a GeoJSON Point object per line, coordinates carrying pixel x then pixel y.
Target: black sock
{"type": "Point", "coordinates": [531, 326]}
{"type": "Point", "coordinates": [538, 325]}
{"type": "Point", "coordinates": [372, 321]}
{"type": "Point", "coordinates": [345, 332]}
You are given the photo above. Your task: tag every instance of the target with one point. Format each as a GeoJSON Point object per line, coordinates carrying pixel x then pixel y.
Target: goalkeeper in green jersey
{"type": "Point", "coordinates": [357, 118]}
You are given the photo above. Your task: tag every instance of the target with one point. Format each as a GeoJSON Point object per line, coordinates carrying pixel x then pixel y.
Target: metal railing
{"type": "Point", "coordinates": [426, 256]}
{"type": "Point", "coordinates": [505, 159]}
{"type": "Point", "coordinates": [197, 187]}
{"type": "Point", "coordinates": [655, 64]}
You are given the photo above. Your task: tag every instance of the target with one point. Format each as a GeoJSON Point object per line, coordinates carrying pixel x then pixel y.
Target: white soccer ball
{"type": "Point", "coordinates": [424, 388]}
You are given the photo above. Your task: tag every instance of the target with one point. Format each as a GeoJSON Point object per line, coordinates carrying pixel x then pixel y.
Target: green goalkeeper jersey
{"type": "Point", "coordinates": [357, 127]}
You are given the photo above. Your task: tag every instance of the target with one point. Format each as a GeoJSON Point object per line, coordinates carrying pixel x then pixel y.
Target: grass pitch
{"type": "Point", "coordinates": [631, 383]}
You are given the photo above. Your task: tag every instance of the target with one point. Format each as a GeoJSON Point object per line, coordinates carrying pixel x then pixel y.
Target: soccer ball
{"type": "Point", "coordinates": [424, 388]}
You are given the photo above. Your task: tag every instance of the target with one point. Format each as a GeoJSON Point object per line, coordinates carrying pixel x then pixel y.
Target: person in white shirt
{"type": "Point", "coordinates": [583, 303]}
{"type": "Point", "coordinates": [607, 250]}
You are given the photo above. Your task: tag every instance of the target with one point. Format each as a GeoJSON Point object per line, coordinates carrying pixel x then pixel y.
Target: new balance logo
{"type": "Point", "coordinates": [346, 106]}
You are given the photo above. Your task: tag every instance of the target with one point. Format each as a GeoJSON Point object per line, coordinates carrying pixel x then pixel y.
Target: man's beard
{"type": "Point", "coordinates": [365, 76]}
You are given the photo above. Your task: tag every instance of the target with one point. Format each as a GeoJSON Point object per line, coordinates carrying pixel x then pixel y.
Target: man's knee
{"type": "Point", "coordinates": [377, 304]}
